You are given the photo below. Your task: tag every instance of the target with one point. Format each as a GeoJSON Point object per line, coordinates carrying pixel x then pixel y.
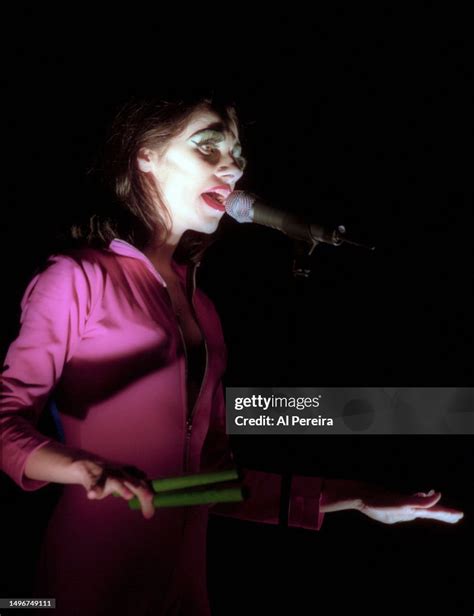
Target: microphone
{"type": "Point", "coordinates": [247, 207]}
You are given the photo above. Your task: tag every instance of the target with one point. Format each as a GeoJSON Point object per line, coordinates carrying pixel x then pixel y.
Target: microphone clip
{"type": "Point", "coordinates": [301, 268]}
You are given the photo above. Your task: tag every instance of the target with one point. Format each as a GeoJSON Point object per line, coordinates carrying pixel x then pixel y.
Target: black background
{"type": "Point", "coordinates": [359, 118]}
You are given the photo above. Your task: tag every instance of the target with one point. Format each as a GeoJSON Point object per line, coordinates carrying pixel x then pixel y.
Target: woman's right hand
{"type": "Point", "coordinates": [101, 478]}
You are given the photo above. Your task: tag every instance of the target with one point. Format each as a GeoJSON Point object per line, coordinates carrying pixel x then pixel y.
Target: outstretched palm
{"type": "Point", "coordinates": [390, 508]}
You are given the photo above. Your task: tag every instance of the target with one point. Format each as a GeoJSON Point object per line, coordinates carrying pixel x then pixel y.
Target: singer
{"type": "Point", "coordinates": [116, 336]}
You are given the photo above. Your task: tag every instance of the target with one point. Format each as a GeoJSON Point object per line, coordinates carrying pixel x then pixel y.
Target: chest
{"type": "Point", "coordinates": [185, 315]}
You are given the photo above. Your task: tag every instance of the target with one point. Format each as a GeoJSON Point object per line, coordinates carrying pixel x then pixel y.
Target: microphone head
{"type": "Point", "coordinates": [239, 205]}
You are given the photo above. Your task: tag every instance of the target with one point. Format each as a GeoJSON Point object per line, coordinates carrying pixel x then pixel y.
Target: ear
{"type": "Point", "coordinates": [146, 160]}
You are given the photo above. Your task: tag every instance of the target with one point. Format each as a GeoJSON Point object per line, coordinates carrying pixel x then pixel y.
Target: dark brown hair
{"type": "Point", "coordinates": [131, 213]}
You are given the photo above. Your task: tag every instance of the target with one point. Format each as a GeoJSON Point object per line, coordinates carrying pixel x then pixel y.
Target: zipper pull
{"type": "Point", "coordinates": [189, 427]}
{"type": "Point", "coordinates": [187, 443]}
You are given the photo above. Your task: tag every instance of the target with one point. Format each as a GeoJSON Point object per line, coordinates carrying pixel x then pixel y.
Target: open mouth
{"type": "Point", "coordinates": [214, 200]}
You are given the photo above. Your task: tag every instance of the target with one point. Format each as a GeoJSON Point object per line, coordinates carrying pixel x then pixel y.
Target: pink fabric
{"type": "Point", "coordinates": [98, 333]}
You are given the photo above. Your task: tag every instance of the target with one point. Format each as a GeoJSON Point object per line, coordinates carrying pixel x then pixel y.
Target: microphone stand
{"type": "Point", "coordinates": [302, 263]}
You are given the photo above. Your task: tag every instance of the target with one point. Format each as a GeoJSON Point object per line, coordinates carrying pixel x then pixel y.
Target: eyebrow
{"type": "Point", "coordinates": [216, 126]}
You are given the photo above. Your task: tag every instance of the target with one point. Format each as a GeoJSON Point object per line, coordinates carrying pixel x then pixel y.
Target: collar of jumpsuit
{"type": "Point", "coordinates": [121, 247]}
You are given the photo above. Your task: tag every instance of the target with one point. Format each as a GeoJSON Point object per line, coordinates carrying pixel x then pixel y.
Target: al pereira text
{"type": "Point", "coordinates": [283, 420]}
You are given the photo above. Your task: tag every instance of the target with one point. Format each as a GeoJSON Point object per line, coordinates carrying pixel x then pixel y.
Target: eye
{"type": "Point", "coordinates": [210, 147]}
{"type": "Point", "coordinates": [207, 148]}
{"type": "Point", "coordinates": [241, 162]}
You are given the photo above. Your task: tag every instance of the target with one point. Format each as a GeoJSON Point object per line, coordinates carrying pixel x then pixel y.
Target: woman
{"type": "Point", "coordinates": [133, 355]}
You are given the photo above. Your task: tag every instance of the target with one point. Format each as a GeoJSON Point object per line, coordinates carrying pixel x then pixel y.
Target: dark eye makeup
{"type": "Point", "coordinates": [209, 137]}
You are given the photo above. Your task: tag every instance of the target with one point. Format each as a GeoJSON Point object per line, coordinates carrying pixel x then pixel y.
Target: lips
{"type": "Point", "coordinates": [215, 197]}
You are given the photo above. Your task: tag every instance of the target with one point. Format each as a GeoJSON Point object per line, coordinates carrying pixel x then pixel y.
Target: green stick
{"type": "Point", "coordinates": [193, 497]}
{"type": "Point", "coordinates": [189, 481]}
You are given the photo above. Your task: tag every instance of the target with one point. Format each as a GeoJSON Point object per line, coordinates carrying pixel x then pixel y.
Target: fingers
{"type": "Point", "coordinates": [421, 499]}
{"type": "Point", "coordinates": [98, 492]}
{"type": "Point", "coordinates": [430, 493]}
{"type": "Point", "coordinates": [141, 487]}
{"type": "Point", "coordinates": [95, 480]}
{"type": "Point", "coordinates": [145, 496]}
{"type": "Point", "coordinates": [450, 516]}
{"type": "Point", "coordinates": [126, 481]}
{"type": "Point", "coordinates": [425, 508]}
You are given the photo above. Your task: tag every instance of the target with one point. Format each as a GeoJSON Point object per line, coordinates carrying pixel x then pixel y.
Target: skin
{"type": "Point", "coordinates": [191, 164]}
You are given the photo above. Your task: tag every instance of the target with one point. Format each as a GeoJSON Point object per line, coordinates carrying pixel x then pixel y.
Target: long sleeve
{"type": "Point", "coordinates": [54, 311]}
{"type": "Point", "coordinates": [265, 489]}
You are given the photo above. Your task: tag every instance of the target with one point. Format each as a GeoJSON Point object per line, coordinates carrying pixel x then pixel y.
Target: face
{"type": "Point", "coordinates": [197, 171]}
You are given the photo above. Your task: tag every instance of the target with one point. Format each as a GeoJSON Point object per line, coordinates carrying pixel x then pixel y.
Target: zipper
{"type": "Point", "coordinates": [187, 442]}
{"type": "Point", "coordinates": [203, 338]}
{"type": "Point", "coordinates": [185, 391]}
{"type": "Point", "coordinates": [190, 415]}
{"type": "Point", "coordinates": [188, 430]}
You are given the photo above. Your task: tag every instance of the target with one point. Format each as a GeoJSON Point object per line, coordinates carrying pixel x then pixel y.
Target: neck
{"type": "Point", "coordinates": [161, 254]}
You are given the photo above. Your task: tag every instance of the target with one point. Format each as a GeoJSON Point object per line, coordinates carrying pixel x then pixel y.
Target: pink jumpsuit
{"type": "Point", "coordinates": [98, 332]}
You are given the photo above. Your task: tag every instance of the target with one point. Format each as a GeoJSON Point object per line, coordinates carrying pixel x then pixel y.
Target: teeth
{"type": "Point", "coordinates": [216, 197]}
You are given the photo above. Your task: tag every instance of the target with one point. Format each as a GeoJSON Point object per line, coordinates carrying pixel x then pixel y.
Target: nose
{"type": "Point", "coordinates": [229, 171]}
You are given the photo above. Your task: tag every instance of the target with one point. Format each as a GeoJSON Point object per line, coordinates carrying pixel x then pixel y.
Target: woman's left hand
{"type": "Point", "coordinates": [390, 508]}
{"type": "Point", "coordinates": [384, 505]}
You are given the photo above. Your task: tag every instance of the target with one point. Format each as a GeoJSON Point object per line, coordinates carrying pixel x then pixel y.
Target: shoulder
{"type": "Point", "coordinates": [86, 261]}
{"type": "Point", "coordinates": [70, 274]}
